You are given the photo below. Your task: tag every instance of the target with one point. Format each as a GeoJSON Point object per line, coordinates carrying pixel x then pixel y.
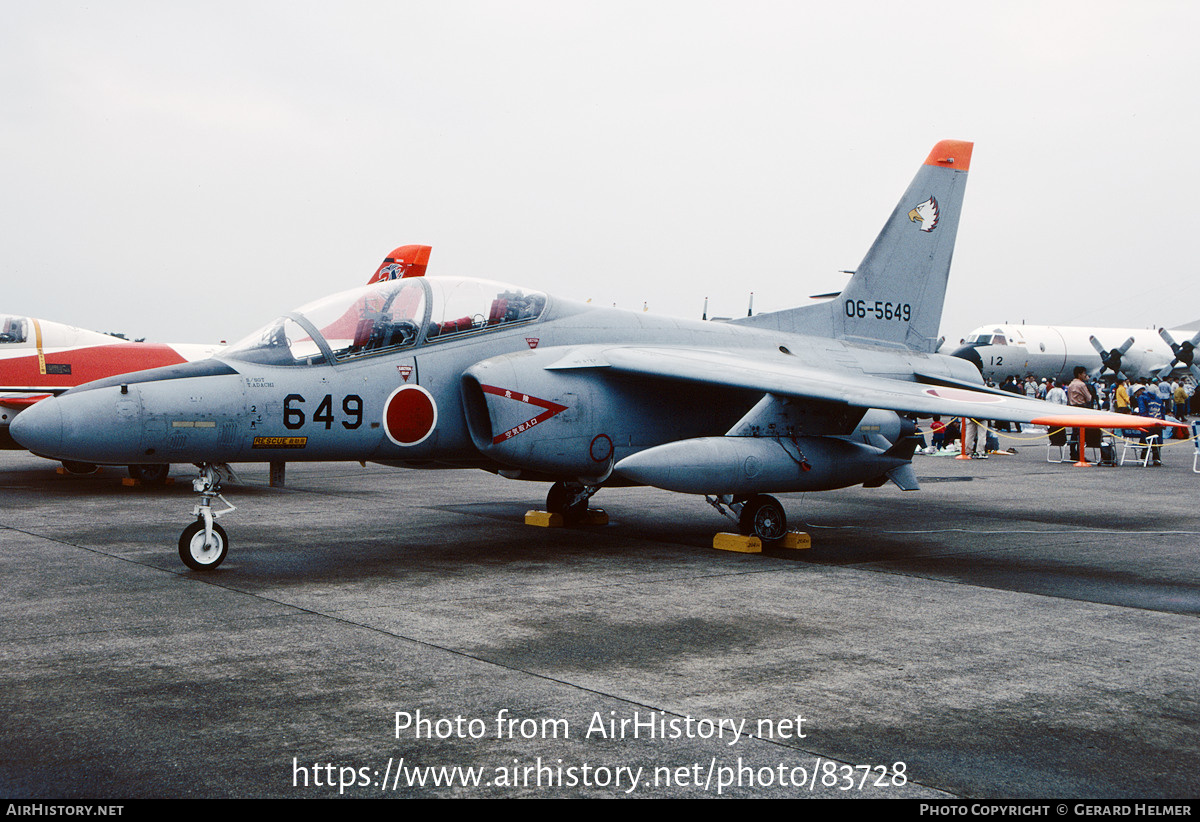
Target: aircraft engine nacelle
{"type": "Point", "coordinates": [541, 421]}
{"type": "Point", "coordinates": [751, 465]}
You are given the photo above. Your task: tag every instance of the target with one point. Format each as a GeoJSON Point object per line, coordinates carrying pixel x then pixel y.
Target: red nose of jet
{"type": "Point", "coordinates": [39, 428]}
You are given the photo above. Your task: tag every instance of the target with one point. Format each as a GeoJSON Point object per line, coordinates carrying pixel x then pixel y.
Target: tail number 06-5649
{"type": "Point", "coordinates": [879, 309]}
{"type": "Point", "coordinates": [293, 411]}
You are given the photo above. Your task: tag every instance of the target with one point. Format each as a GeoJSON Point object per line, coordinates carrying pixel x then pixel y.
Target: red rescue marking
{"type": "Point", "coordinates": [409, 415]}
{"type": "Point", "coordinates": [533, 341]}
{"type": "Point", "coordinates": [405, 371]}
{"type": "Point", "coordinates": [552, 408]}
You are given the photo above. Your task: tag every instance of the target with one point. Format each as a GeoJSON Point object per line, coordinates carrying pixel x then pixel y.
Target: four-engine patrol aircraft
{"type": "Point", "coordinates": [1053, 351]}
{"type": "Point", "coordinates": [427, 372]}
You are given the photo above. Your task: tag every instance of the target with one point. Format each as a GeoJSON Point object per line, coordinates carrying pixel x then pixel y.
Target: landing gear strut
{"type": "Point", "coordinates": [758, 516]}
{"type": "Point", "coordinates": [569, 499]}
{"type": "Point", "coordinates": [203, 544]}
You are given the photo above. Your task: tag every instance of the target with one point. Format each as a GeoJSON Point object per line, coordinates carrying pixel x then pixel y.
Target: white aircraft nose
{"type": "Point", "coordinates": [39, 427]}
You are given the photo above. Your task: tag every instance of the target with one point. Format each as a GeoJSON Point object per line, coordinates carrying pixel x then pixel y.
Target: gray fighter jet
{"type": "Point", "coordinates": [433, 372]}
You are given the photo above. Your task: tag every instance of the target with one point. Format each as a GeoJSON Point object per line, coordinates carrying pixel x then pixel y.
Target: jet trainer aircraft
{"type": "Point", "coordinates": [429, 372]}
{"type": "Point", "coordinates": [40, 358]}
{"type": "Point", "coordinates": [1053, 351]}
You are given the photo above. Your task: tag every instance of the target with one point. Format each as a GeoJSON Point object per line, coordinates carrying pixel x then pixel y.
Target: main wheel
{"type": "Point", "coordinates": [195, 554]}
{"type": "Point", "coordinates": [80, 467]}
{"type": "Point", "coordinates": [558, 501]}
{"type": "Point", "coordinates": [150, 474]}
{"type": "Point", "coordinates": [763, 517]}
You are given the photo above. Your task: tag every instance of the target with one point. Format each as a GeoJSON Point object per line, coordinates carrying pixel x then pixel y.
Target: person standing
{"type": "Point", "coordinates": [1010, 385]}
{"type": "Point", "coordinates": [938, 429]}
{"type": "Point", "coordinates": [1078, 393]}
{"type": "Point", "coordinates": [1150, 404]}
{"type": "Point", "coordinates": [1078, 396]}
{"type": "Point", "coordinates": [1181, 402]}
{"type": "Point", "coordinates": [1121, 397]}
{"type": "Point", "coordinates": [975, 439]}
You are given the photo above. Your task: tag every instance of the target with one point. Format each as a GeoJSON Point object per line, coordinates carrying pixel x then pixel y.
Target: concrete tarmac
{"type": "Point", "coordinates": [1015, 629]}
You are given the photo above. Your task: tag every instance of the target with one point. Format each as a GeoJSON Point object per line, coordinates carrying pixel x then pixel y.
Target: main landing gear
{"type": "Point", "coordinates": [570, 499]}
{"type": "Point", "coordinates": [150, 474]}
{"type": "Point", "coordinates": [203, 544]}
{"type": "Point", "coordinates": [758, 516]}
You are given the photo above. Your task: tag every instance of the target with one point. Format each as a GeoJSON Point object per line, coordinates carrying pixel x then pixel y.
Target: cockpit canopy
{"type": "Point", "coordinates": [388, 316]}
{"type": "Point", "coordinates": [987, 339]}
{"type": "Point", "coordinates": [13, 329]}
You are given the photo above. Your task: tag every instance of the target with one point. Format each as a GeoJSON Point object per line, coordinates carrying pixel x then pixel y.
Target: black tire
{"type": "Point", "coordinates": [193, 552]}
{"type": "Point", "coordinates": [557, 502]}
{"type": "Point", "coordinates": [763, 517]}
{"type": "Point", "coordinates": [150, 474]}
{"type": "Point", "coordinates": [80, 467]}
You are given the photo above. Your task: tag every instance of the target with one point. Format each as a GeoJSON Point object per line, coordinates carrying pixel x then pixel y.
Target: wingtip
{"type": "Point", "coordinates": [955, 154]}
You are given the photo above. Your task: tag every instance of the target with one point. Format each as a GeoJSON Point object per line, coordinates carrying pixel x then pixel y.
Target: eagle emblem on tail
{"type": "Point", "coordinates": [926, 214]}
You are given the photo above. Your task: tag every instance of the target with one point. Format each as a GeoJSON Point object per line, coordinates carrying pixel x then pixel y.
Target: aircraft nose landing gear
{"type": "Point", "coordinates": [203, 544]}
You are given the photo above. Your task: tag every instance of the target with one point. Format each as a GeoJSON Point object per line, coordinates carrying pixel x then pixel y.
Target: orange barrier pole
{"type": "Point", "coordinates": [1082, 435]}
{"type": "Point", "coordinates": [962, 440]}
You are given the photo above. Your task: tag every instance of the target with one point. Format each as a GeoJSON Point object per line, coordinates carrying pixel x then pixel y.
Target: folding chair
{"type": "Point", "coordinates": [1057, 439]}
{"type": "Point", "coordinates": [1141, 449]}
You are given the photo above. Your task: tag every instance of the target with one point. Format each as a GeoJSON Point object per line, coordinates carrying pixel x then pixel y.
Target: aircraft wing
{"type": "Point", "coordinates": [782, 374]}
{"type": "Point", "coordinates": [19, 401]}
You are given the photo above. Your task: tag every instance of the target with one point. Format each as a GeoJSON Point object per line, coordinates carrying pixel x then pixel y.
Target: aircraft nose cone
{"type": "Point", "coordinates": [971, 355]}
{"type": "Point", "coordinates": [39, 427]}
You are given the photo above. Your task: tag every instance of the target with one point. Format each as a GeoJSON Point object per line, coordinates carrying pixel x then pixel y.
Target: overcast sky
{"type": "Point", "coordinates": [186, 171]}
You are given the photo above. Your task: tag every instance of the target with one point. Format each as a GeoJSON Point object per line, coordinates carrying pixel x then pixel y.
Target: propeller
{"type": "Point", "coordinates": [1111, 360]}
{"type": "Point", "coordinates": [1184, 353]}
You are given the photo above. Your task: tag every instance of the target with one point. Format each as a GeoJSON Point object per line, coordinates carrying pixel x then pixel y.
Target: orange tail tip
{"type": "Point", "coordinates": [954, 154]}
{"type": "Point", "coordinates": [405, 261]}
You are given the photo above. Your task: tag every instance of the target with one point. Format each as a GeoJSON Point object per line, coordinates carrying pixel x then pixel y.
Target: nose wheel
{"type": "Point", "coordinates": [201, 553]}
{"type": "Point", "coordinates": [203, 544]}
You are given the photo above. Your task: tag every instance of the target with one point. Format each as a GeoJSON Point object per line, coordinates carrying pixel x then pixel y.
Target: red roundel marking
{"type": "Point", "coordinates": [409, 415]}
{"type": "Point", "coordinates": [601, 448]}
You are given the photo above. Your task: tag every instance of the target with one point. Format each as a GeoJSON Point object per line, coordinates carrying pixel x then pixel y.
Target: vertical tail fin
{"type": "Point", "coordinates": [897, 293]}
{"type": "Point", "coordinates": [405, 261]}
